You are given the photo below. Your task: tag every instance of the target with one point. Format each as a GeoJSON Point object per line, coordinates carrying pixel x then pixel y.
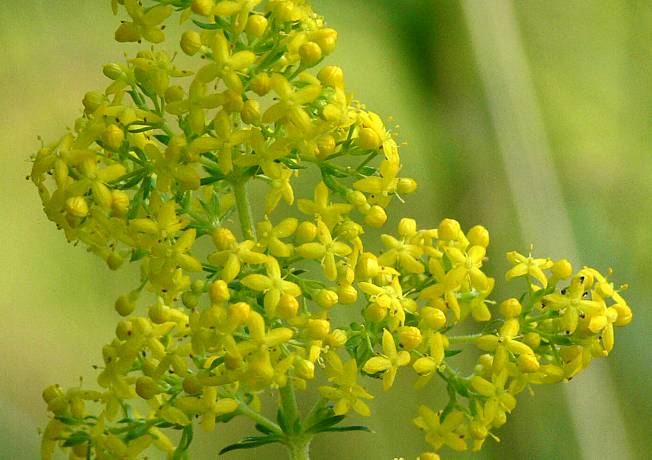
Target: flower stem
{"type": "Point", "coordinates": [289, 403]}
{"type": "Point", "coordinates": [244, 209]}
{"type": "Point", "coordinates": [463, 338]}
{"type": "Point", "coordinates": [260, 419]}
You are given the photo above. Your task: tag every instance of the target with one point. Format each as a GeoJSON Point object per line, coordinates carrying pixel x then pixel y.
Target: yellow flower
{"type": "Point", "coordinates": [273, 285]}
{"type": "Point", "coordinates": [289, 107]}
{"type": "Point", "coordinates": [347, 393]}
{"type": "Point", "coordinates": [329, 213]}
{"type": "Point", "coordinates": [281, 186]}
{"type": "Point", "coordinates": [381, 188]}
{"type": "Point", "coordinates": [528, 266]}
{"type": "Point", "coordinates": [209, 406]}
{"type": "Point", "coordinates": [325, 250]}
{"type": "Point", "coordinates": [144, 24]}
{"type": "Point", "coordinates": [426, 366]}
{"type": "Point", "coordinates": [503, 343]}
{"type": "Point", "coordinates": [389, 362]}
{"type": "Point", "coordinates": [269, 236]}
{"type": "Point", "coordinates": [231, 259]}
{"type": "Point", "coordinates": [466, 267]}
{"type": "Point", "coordinates": [226, 64]}
{"type": "Point", "coordinates": [499, 400]}
{"type": "Point", "coordinates": [442, 432]}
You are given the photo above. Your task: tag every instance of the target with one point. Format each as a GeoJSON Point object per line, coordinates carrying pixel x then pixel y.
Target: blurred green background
{"type": "Point", "coordinates": [532, 118]}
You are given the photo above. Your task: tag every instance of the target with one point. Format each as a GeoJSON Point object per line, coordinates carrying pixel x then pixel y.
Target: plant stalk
{"type": "Point", "coordinates": [244, 209]}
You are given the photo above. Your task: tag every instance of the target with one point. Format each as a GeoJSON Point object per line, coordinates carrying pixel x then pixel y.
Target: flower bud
{"type": "Point", "coordinates": [310, 53]}
{"type": "Point", "coordinates": [368, 139]}
{"type": "Point", "coordinates": [76, 206]}
{"type": "Point", "coordinates": [376, 312]}
{"type": "Point", "coordinates": [114, 260]}
{"type": "Point", "coordinates": [449, 229]}
{"type": "Point", "coordinates": [336, 339]}
{"type": "Point", "coordinates": [510, 308]}
{"type": "Point", "coordinates": [532, 340]}
{"type": "Point", "coordinates": [478, 236]}
{"type": "Point", "coordinates": [331, 76]}
{"type": "Point", "coordinates": [304, 369]}
{"type": "Point", "coordinates": [124, 329]}
{"type": "Point", "coordinates": [191, 385]}
{"type": "Point", "coordinates": [191, 42]}
{"type": "Point", "coordinates": [190, 299]}
{"type": "Point", "coordinates": [219, 291]}
{"type": "Point", "coordinates": [198, 286]}
{"type": "Point", "coordinates": [124, 305]}
{"type": "Point", "coordinates": [486, 342]}
{"type": "Point", "coordinates": [202, 7]}
{"type": "Point", "coordinates": [223, 238]}
{"type": "Point", "coordinates": [409, 337]}
{"type": "Point", "coordinates": [52, 392]}
{"type": "Point", "coordinates": [288, 306]}
{"type": "Point", "coordinates": [92, 101]}
{"type": "Point", "coordinates": [325, 298]}
{"type": "Point", "coordinates": [306, 232]}
{"type": "Point", "coordinates": [376, 217]}
{"type": "Point", "coordinates": [250, 113]}
{"type": "Point", "coordinates": [174, 93]}
{"type": "Point", "coordinates": [347, 294]}
{"type": "Point", "coordinates": [367, 266]}
{"type": "Point", "coordinates": [261, 84]}
{"type": "Point", "coordinates": [428, 456]}
{"type": "Point", "coordinates": [424, 366]}
{"type": "Point", "coordinates": [159, 313]}
{"type": "Point", "coordinates": [528, 363]}
{"type": "Point", "coordinates": [146, 387]}
{"type": "Point", "coordinates": [113, 71]}
{"type": "Point", "coordinates": [433, 317]}
{"type": "Point", "coordinates": [113, 136]}
{"type": "Point", "coordinates": [561, 269]}
{"type": "Point", "coordinates": [318, 329]}
{"type": "Point", "coordinates": [356, 198]}
{"type": "Point", "coordinates": [326, 39]}
{"type": "Point", "coordinates": [325, 145]}
{"type": "Point", "coordinates": [233, 102]}
{"type": "Point", "coordinates": [256, 26]}
{"type": "Point", "coordinates": [407, 227]}
{"type": "Point", "coordinates": [119, 202]}
{"type": "Point", "coordinates": [406, 185]}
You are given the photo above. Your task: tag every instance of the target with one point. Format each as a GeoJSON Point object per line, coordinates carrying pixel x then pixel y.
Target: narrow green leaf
{"type": "Point", "coordinates": [325, 423]}
{"type": "Point", "coordinates": [250, 442]}
{"type": "Point", "coordinates": [346, 428]}
{"type": "Point", "coordinates": [78, 437]}
{"type": "Point", "coordinates": [449, 353]}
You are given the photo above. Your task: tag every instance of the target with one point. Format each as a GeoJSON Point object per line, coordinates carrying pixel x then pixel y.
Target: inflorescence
{"type": "Point", "coordinates": [157, 169]}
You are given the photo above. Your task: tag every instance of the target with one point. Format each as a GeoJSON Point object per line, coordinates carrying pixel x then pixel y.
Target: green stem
{"type": "Point", "coordinates": [289, 403]}
{"type": "Point", "coordinates": [299, 447]}
{"type": "Point", "coordinates": [244, 209]}
{"type": "Point", "coordinates": [463, 338]}
{"type": "Point", "coordinates": [260, 419]}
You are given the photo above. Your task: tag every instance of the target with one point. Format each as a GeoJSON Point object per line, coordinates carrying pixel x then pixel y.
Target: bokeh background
{"type": "Point", "coordinates": [533, 118]}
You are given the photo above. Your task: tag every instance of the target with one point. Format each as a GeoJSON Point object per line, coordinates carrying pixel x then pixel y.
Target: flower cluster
{"type": "Point", "coordinates": [155, 172]}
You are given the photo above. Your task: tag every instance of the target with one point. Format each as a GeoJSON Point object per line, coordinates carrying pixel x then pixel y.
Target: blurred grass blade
{"type": "Point", "coordinates": [516, 117]}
